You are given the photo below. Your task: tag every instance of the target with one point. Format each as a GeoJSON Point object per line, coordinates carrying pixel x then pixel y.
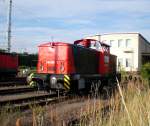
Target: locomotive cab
{"type": "Point", "coordinates": [104, 53]}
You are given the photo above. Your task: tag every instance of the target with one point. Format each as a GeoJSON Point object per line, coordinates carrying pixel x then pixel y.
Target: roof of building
{"type": "Point", "coordinates": [122, 33]}
{"type": "Point", "coordinates": [115, 33]}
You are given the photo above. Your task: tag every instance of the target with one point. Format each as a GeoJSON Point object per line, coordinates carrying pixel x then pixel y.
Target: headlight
{"type": "Point", "coordinates": [53, 80]}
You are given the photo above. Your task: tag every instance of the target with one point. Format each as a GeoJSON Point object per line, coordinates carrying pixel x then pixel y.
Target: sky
{"type": "Point", "coordinates": [38, 21]}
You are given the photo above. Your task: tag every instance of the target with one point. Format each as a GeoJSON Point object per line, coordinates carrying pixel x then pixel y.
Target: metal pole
{"type": "Point", "coordinates": [9, 26]}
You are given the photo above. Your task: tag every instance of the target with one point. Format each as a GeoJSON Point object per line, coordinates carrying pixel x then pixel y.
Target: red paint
{"type": "Point", "coordinates": [104, 59]}
{"type": "Point", "coordinates": [8, 61]}
{"type": "Point", "coordinates": [55, 58]}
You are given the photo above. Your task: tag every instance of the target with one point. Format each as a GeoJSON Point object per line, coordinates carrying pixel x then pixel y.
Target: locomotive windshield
{"type": "Point", "coordinates": [95, 45]}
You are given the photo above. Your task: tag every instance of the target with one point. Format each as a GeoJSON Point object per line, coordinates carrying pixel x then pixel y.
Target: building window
{"type": "Point", "coordinates": [128, 42]}
{"type": "Point", "coordinates": [120, 43]}
{"type": "Point", "coordinates": [111, 42]}
{"type": "Point", "coordinates": [128, 62]}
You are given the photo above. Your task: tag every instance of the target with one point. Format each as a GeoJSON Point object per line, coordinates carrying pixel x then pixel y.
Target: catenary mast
{"type": "Point", "coordinates": [9, 26]}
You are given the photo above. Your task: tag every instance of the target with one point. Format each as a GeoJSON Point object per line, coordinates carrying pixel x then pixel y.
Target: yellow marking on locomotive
{"type": "Point", "coordinates": [67, 77]}
{"type": "Point", "coordinates": [66, 86]}
{"type": "Point", "coordinates": [66, 82]}
{"type": "Point", "coordinates": [32, 74]}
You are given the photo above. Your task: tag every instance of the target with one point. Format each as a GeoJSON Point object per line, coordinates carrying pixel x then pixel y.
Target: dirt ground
{"type": "Point", "coordinates": [61, 114]}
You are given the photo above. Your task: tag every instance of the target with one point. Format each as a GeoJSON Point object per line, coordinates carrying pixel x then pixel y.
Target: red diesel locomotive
{"type": "Point", "coordinates": [74, 67]}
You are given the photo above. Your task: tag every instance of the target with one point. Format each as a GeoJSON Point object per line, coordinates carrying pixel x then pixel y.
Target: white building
{"type": "Point", "coordinates": [132, 49]}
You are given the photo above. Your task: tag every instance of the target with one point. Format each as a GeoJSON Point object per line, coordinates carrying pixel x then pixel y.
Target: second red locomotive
{"type": "Point", "coordinates": [74, 67]}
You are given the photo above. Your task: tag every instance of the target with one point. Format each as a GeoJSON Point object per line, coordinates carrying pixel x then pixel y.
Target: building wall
{"type": "Point", "coordinates": [126, 47]}
{"type": "Point", "coordinates": [144, 45]}
{"type": "Point", "coordinates": [144, 48]}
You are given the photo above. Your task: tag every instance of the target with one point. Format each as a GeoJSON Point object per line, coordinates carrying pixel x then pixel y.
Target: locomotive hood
{"type": "Point", "coordinates": [54, 44]}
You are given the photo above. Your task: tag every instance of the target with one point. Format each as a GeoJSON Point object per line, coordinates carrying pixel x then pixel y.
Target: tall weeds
{"type": "Point", "coordinates": [133, 111]}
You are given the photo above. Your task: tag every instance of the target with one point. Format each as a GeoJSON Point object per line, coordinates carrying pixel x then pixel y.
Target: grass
{"type": "Point", "coordinates": [8, 117]}
{"type": "Point", "coordinates": [137, 102]}
{"type": "Point", "coordinates": [94, 112]}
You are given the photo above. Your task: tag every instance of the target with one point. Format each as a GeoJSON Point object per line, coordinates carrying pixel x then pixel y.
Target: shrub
{"type": "Point", "coordinates": [145, 72]}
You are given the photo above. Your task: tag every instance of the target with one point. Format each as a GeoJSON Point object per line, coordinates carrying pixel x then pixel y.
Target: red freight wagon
{"type": "Point", "coordinates": [73, 67]}
{"type": "Point", "coordinates": [8, 64]}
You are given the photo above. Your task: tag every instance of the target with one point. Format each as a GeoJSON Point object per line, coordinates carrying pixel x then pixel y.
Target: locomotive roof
{"type": "Point", "coordinates": [7, 53]}
{"type": "Point", "coordinates": [54, 44]}
{"type": "Point", "coordinates": [103, 44]}
{"type": "Point", "coordinates": [65, 43]}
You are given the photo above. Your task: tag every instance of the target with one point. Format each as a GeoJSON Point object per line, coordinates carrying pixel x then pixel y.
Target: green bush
{"type": "Point", "coordinates": [145, 72]}
{"type": "Point", "coordinates": [122, 72]}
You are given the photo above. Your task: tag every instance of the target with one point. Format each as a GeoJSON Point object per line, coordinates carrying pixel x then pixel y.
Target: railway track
{"type": "Point", "coordinates": [15, 89]}
{"type": "Point", "coordinates": [16, 94]}
{"type": "Point", "coordinates": [25, 100]}
{"type": "Point", "coordinates": [23, 96]}
{"type": "Point", "coordinates": [13, 82]}
{"type": "Point", "coordinates": [10, 83]}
